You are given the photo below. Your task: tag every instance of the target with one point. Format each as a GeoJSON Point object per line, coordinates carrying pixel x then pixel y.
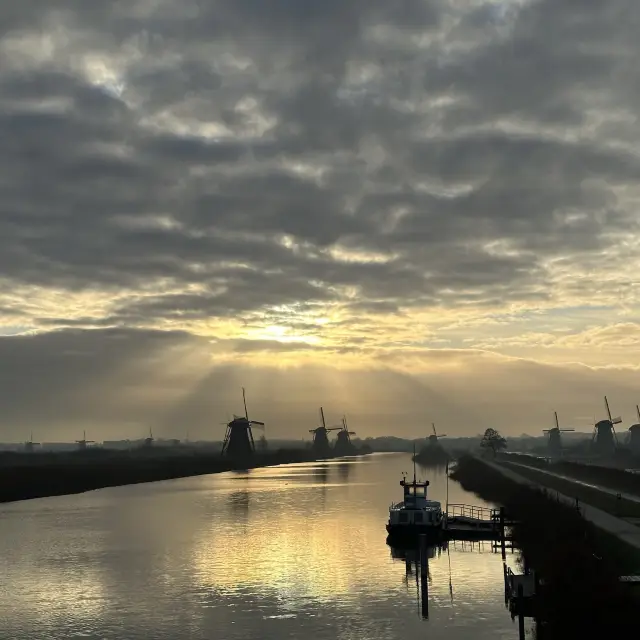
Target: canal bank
{"type": "Point", "coordinates": [24, 476]}
{"type": "Point", "coordinates": [578, 566]}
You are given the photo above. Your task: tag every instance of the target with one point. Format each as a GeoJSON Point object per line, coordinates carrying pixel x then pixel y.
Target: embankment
{"type": "Point", "coordinates": [610, 477]}
{"type": "Point", "coordinates": [24, 476]}
{"type": "Point", "coordinates": [581, 596]}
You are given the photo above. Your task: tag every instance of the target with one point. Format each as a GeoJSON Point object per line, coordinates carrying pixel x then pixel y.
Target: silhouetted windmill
{"type": "Point", "coordinates": [634, 434]}
{"type": "Point", "coordinates": [433, 438]}
{"type": "Point", "coordinates": [344, 446]}
{"type": "Point", "coordinates": [321, 439]}
{"type": "Point", "coordinates": [238, 440]}
{"type": "Point", "coordinates": [554, 443]}
{"type": "Point", "coordinates": [148, 442]}
{"type": "Point", "coordinates": [29, 446]}
{"type": "Point", "coordinates": [604, 436]}
{"type": "Point", "coordinates": [82, 444]}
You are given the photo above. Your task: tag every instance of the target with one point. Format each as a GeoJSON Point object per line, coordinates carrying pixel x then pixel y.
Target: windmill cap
{"type": "Point", "coordinates": [634, 427]}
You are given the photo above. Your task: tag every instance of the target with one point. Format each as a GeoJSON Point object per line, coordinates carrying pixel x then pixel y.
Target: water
{"type": "Point", "coordinates": [286, 552]}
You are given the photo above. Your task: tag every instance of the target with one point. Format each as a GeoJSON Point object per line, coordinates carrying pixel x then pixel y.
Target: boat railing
{"type": "Point", "coordinates": [396, 505]}
{"type": "Point", "coordinates": [471, 511]}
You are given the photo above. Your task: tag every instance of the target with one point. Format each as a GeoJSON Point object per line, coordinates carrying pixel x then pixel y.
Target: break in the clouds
{"type": "Point", "coordinates": [289, 179]}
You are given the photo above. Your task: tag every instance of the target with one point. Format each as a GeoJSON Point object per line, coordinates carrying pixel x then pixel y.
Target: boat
{"type": "Point", "coordinates": [416, 514]}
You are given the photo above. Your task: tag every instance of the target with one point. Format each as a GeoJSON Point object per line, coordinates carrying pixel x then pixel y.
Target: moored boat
{"type": "Point", "coordinates": [416, 514]}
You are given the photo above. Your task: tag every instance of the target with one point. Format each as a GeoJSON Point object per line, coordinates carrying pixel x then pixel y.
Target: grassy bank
{"type": "Point", "coordinates": [581, 596]}
{"type": "Point", "coordinates": [620, 508]}
{"type": "Point", "coordinates": [609, 477]}
{"type": "Point", "coordinates": [37, 476]}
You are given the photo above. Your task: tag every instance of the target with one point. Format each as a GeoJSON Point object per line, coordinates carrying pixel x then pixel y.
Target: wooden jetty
{"type": "Point", "coordinates": [470, 522]}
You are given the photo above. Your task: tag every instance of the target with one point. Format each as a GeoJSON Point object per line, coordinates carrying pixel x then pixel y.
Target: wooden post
{"type": "Point", "coordinates": [424, 575]}
{"type": "Point", "coordinates": [521, 611]}
{"type": "Point", "coordinates": [506, 583]}
{"type": "Point", "coordinates": [502, 540]}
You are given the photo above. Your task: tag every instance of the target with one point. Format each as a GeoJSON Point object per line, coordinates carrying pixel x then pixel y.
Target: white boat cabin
{"type": "Point", "coordinates": [416, 509]}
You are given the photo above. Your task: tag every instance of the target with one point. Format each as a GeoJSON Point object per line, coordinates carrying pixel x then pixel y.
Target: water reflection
{"type": "Point", "coordinates": [239, 504]}
{"type": "Point", "coordinates": [344, 470]}
{"type": "Point", "coordinates": [257, 554]}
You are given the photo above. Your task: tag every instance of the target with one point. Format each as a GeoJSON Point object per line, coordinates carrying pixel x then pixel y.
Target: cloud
{"type": "Point", "coordinates": [338, 179]}
{"type": "Point", "coordinates": [118, 383]}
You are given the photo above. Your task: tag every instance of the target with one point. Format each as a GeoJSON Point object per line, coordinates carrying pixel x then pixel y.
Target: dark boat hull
{"type": "Point", "coordinates": [403, 534]}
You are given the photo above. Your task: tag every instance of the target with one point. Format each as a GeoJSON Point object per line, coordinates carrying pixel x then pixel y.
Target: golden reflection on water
{"type": "Point", "coordinates": [300, 548]}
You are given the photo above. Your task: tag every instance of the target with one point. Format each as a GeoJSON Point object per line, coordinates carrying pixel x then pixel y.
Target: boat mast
{"type": "Point", "coordinates": [414, 467]}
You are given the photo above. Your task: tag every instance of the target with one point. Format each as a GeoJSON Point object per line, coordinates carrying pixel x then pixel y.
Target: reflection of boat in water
{"type": "Point", "coordinates": [416, 514]}
{"type": "Point", "coordinates": [411, 555]}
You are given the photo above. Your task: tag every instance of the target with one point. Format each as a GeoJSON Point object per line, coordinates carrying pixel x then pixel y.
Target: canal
{"type": "Point", "coordinates": [282, 552]}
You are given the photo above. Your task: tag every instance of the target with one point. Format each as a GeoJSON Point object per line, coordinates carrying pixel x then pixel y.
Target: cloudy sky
{"type": "Point", "coordinates": [411, 211]}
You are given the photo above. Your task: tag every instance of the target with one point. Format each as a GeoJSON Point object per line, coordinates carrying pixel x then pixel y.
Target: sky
{"type": "Point", "coordinates": [409, 212]}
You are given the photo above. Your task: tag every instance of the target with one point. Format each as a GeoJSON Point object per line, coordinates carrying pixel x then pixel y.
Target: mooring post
{"type": "Point", "coordinates": [502, 540]}
{"type": "Point", "coordinates": [424, 575]}
{"type": "Point", "coordinates": [521, 611]}
{"type": "Point", "coordinates": [506, 583]}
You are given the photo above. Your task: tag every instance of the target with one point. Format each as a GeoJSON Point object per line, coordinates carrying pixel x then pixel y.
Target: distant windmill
{"type": "Point", "coordinates": [320, 438]}
{"type": "Point", "coordinates": [29, 446]}
{"type": "Point", "coordinates": [555, 442]}
{"type": "Point", "coordinates": [433, 438]}
{"type": "Point", "coordinates": [82, 444]}
{"type": "Point", "coordinates": [238, 440]}
{"type": "Point", "coordinates": [148, 442]}
{"type": "Point", "coordinates": [344, 446]}
{"type": "Point", "coordinates": [604, 436]}
{"type": "Point", "coordinates": [634, 435]}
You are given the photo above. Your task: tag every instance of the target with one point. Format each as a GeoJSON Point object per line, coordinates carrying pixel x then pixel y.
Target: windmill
{"type": "Point", "coordinates": [148, 441]}
{"type": "Point", "coordinates": [554, 444]}
{"type": "Point", "coordinates": [29, 446]}
{"type": "Point", "coordinates": [634, 434]}
{"type": "Point", "coordinates": [238, 441]}
{"type": "Point", "coordinates": [604, 436]}
{"type": "Point", "coordinates": [432, 452]}
{"type": "Point", "coordinates": [320, 444]}
{"type": "Point", "coordinates": [433, 438]}
{"type": "Point", "coordinates": [82, 444]}
{"type": "Point", "coordinates": [344, 446]}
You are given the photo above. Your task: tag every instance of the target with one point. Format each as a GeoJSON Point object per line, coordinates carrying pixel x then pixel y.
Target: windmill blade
{"type": "Point", "coordinates": [546, 430]}
{"type": "Point", "coordinates": [322, 418]}
{"type": "Point", "coordinates": [606, 404]}
{"type": "Point", "coordinates": [638, 410]}
{"type": "Point", "coordinates": [557, 423]}
{"type": "Point", "coordinates": [617, 420]}
{"type": "Point", "coordinates": [244, 400]}
{"type": "Point", "coordinates": [256, 422]}
{"type": "Point", "coordinates": [442, 435]}
{"type": "Point", "coordinates": [433, 426]}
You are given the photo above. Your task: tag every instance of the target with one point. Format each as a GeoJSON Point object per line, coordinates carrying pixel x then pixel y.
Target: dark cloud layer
{"type": "Point", "coordinates": [104, 115]}
{"type": "Point", "coordinates": [171, 162]}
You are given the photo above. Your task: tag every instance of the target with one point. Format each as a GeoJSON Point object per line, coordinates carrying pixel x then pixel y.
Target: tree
{"type": "Point", "coordinates": [493, 441]}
